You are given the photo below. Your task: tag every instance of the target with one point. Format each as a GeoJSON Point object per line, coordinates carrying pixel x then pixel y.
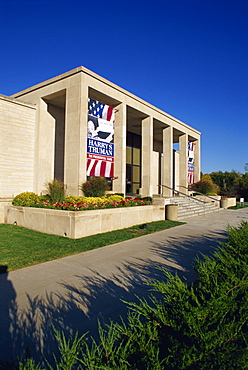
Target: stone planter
{"type": "Point", "coordinates": [171, 212]}
{"type": "Point", "coordinates": [82, 223]}
{"type": "Point", "coordinates": [224, 203]}
{"type": "Point", "coordinates": [228, 202]}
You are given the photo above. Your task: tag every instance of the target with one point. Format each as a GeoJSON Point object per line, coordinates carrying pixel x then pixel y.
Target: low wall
{"type": "Point", "coordinates": [228, 202]}
{"type": "Point", "coordinates": [214, 199]}
{"type": "Point", "coordinates": [231, 202]}
{"type": "Point", "coordinates": [7, 201]}
{"type": "Point", "coordinates": [82, 223]}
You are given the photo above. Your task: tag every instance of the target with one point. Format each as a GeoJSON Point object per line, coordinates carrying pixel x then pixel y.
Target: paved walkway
{"type": "Point", "coordinates": [73, 292]}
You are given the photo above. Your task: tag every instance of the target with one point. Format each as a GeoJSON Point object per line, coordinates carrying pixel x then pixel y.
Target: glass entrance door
{"type": "Point", "coordinates": [133, 164]}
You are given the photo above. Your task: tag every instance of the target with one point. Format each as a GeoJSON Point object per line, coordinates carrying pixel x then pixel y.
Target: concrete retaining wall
{"type": "Point", "coordinates": [4, 202]}
{"type": "Point", "coordinates": [82, 223]}
{"type": "Point", "coordinates": [228, 202]}
{"type": "Point", "coordinates": [231, 202]}
{"type": "Point", "coordinates": [214, 199]}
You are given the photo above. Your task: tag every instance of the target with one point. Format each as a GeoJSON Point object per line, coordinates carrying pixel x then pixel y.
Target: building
{"type": "Point", "coordinates": [79, 123]}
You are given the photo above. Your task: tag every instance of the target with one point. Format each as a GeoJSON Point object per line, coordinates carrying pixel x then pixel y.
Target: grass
{"type": "Point", "coordinates": [21, 247]}
{"type": "Point", "coordinates": [239, 205]}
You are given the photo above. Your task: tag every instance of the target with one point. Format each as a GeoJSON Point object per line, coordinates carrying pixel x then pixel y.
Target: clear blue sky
{"type": "Point", "coordinates": [187, 57]}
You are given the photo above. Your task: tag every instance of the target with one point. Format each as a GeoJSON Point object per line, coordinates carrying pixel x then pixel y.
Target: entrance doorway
{"type": "Point", "coordinates": [133, 163]}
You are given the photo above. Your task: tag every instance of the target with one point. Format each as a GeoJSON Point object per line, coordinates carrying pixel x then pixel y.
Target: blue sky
{"type": "Point", "coordinates": [187, 57]}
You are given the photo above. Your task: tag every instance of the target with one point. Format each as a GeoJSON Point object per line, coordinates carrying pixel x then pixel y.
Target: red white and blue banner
{"type": "Point", "coordinates": [100, 139]}
{"type": "Point", "coordinates": [191, 147]}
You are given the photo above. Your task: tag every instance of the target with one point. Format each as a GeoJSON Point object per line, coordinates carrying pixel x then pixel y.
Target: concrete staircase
{"type": "Point", "coordinates": [190, 207]}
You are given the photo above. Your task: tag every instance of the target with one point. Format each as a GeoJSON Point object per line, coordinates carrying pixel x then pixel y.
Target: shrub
{"type": "Point", "coordinates": [25, 199]}
{"type": "Point", "coordinates": [55, 190]}
{"type": "Point", "coordinates": [205, 186]}
{"type": "Point", "coordinates": [95, 187]}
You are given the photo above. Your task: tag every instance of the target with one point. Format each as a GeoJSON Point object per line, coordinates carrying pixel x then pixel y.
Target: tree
{"type": "Point", "coordinates": [205, 186]}
{"type": "Point", "coordinates": [232, 183]}
{"type": "Point", "coordinates": [227, 181]}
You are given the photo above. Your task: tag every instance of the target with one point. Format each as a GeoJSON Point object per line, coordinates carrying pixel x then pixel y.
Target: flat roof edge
{"type": "Point", "coordinates": [104, 80]}
{"type": "Point", "coordinates": [17, 101]}
{"type": "Point", "coordinates": [47, 82]}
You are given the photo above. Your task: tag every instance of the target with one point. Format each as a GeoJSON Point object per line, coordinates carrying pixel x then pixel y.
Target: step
{"type": "Point", "coordinates": [188, 215]}
{"type": "Point", "coordinates": [190, 207]}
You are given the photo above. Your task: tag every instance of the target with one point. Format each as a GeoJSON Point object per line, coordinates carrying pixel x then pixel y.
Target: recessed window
{"type": "Point", "coordinates": [133, 166]}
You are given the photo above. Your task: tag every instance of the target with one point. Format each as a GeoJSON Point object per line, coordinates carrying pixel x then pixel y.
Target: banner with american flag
{"type": "Point", "coordinates": [191, 163]}
{"type": "Point", "coordinates": [100, 139]}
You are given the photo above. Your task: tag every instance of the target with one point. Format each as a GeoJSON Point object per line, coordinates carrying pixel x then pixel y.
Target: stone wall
{"type": "Point", "coordinates": [82, 223]}
{"type": "Point", "coordinates": [4, 202]}
{"type": "Point", "coordinates": [17, 136]}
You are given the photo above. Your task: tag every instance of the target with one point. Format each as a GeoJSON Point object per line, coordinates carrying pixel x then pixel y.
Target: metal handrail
{"type": "Point", "coordinates": [188, 196]}
{"type": "Point", "coordinates": [195, 191]}
{"type": "Point", "coordinates": [180, 192]}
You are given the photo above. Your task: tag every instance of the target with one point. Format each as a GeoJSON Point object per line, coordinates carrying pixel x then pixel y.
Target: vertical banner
{"type": "Point", "coordinates": [191, 163]}
{"type": "Point", "coordinates": [100, 139]}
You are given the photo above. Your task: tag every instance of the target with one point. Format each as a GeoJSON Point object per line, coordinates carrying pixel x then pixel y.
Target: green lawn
{"type": "Point", "coordinates": [20, 247]}
{"type": "Point", "coordinates": [239, 205]}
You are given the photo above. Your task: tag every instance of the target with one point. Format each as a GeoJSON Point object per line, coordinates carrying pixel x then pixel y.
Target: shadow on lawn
{"type": "Point", "coordinates": [94, 297]}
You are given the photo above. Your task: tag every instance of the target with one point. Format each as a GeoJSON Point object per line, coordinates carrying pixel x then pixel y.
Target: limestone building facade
{"type": "Point", "coordinates": [44, 134]}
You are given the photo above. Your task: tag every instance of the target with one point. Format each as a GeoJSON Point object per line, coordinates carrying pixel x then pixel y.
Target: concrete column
{"type": "Point", "coordinates": [183, 162]}
{"type": "Point", "coordinates": [83, 118]}
{"type": "Point", "coordinates": [146, 157]}
{"type": "Point", "coordinates": [75, 134]}
{"type": "Point", "coordinates": [120, 139]}
{"type": "Point", "coordinates": [197, 164]}
{"type": "Point", "coordinates": [44, 151]}
{"type": "Point", "coordinates": [167, 161]}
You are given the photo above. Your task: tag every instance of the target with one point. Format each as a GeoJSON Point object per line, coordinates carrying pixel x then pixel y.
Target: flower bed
{"type": "Point", "coordinates": [82, 206]}
{"type": "Point", "coordinates": [78, 203]}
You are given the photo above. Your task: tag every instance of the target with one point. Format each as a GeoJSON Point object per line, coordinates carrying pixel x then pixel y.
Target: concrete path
{"type": "Point", "coordinates": [73, 292]}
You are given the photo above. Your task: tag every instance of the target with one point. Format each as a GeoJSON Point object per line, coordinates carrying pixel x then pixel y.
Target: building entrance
{"type": "Point", "coordinates": [133, 163]}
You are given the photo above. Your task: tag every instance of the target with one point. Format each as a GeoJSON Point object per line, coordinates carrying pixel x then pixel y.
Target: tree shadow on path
{"type": "Point", "coordinates": [94, 296]}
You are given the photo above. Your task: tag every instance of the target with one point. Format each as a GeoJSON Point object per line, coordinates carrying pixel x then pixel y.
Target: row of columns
{"type": "Point", "coordinates": [119, 184]}
{"type": "Point", "coordinates": [76, 147]}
